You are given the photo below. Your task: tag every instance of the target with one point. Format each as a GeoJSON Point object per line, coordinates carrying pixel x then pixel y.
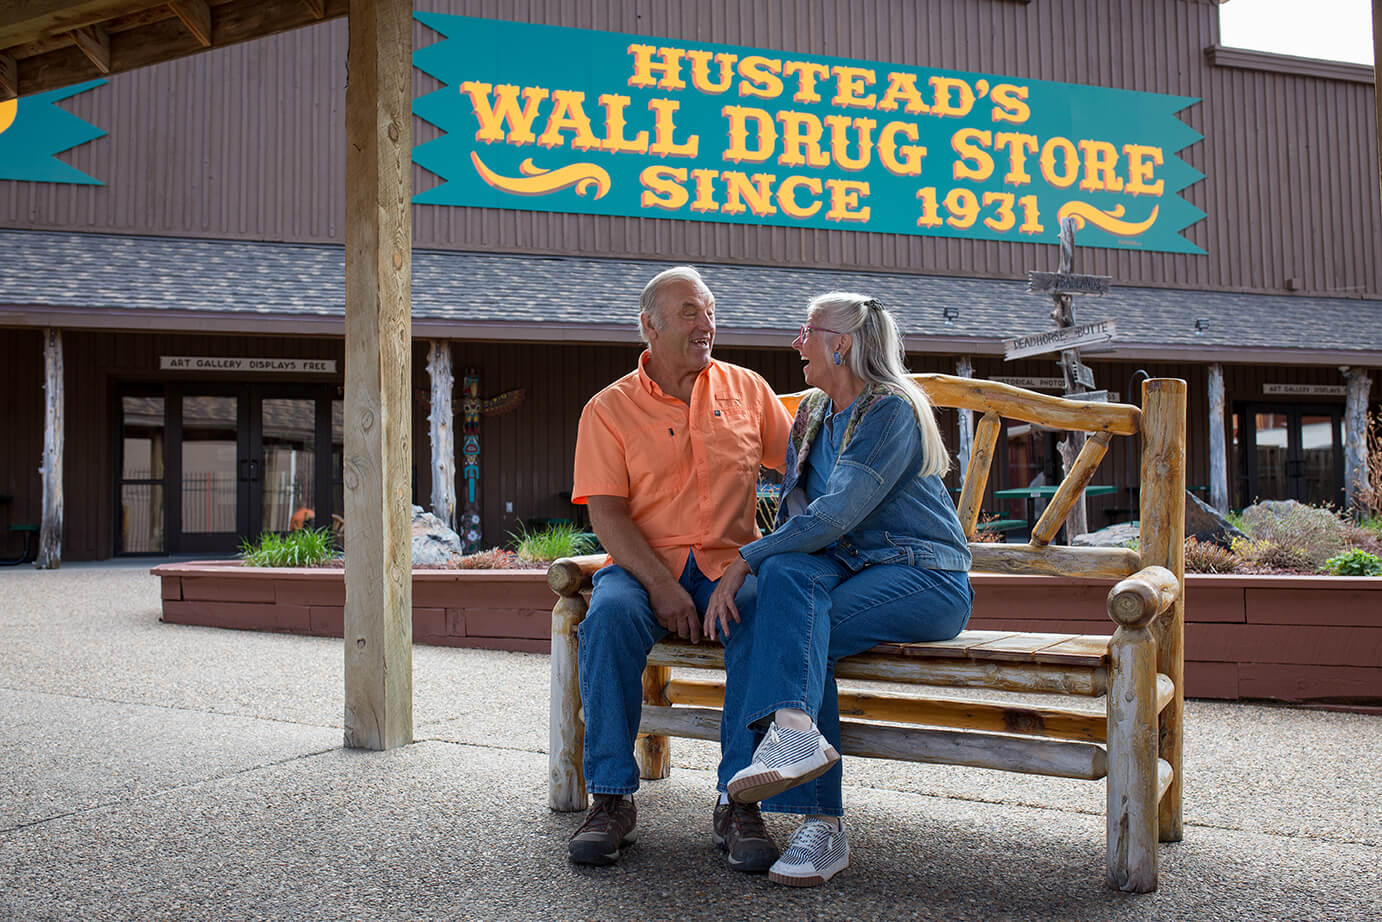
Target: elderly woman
{"type": "Point", "coordinates": [867, 550]}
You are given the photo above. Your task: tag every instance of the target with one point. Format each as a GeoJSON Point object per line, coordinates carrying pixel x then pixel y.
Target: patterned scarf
{"type": "Point", "coordinates": [811, 416]}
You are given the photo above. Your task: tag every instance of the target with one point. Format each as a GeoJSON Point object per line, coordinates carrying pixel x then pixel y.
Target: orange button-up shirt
{"type": "Point", "coordinates": [689, 473]}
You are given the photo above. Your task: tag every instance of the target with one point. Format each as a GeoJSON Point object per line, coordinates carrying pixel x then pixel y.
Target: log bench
{"type": "Point", "coordinates": [1134, 745]}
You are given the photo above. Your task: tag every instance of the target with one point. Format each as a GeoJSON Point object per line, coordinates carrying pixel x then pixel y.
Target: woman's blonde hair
{"type": "Point", "coordinates": [877, 358]}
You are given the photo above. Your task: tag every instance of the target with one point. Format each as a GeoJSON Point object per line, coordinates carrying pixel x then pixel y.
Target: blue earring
{"type": "Point", "coordinates": [837, 356]}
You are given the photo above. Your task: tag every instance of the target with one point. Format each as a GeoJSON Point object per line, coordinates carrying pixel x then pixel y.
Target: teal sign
{"type": "Point", "coordinates": [543, 118]}
{"type": "Point", "coordinates": [33, 130]}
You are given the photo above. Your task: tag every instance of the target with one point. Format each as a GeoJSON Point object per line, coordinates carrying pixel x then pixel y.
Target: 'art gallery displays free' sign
{"type": "Point", "coordinates": [554, 119]}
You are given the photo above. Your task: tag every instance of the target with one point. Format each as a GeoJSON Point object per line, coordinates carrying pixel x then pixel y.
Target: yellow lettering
{"type": "Point", "coordinates": [902, 87]}
{"type": "Point", "coordinates": [801, 140]}
{"type": "Point", "coordinates": [807, 73]}
{"type": "Point", "coordinates": [1071, 167]}
{"type": "Point", "coordinates": [568, 115]}
{"type": "Point", "coordinates": [644, 66]}
{"type": "Point", "coordinates": [760, 77]}
{"type": "Point", "coordinates": [493, 116]}
{"type": "Point", "coordinates": [1100, 162]}
{"type": "Point", "coordinates": [705, 191]}
{"type": "Point", "coordinates": [662, 188]}
{"type": "Point", "coordinates": [614, 140]}
{"type": "Point", "coordinates": [1009, 103]}
{"type": "Point", "coordinates": [944, 87]}
{"type": "Point", "coordinates": [849, 83]}
{"type": "Point", "coordinates": [912, 154]}
{"type": "Point", "coordinates": [839, 140]}
{"type": "Point", "coordinates": [758, 191]}
{"type": "Point", "coordinates": [786, 196]}
{"type": "Point", "coordinates": [764, 130]}
{"type": "Point", "coordinates": [1140, 170]}
{"type": "Point", "coordinates": [844, 200]}
{"type": "Point", "coordinates": [700, 71]}
{"type": "Point", "coordinates": [665, 129]}
{"type": "Point", "coordinates": [966, 143]}
{"type": "Point", "coordinates": [1018, 146]}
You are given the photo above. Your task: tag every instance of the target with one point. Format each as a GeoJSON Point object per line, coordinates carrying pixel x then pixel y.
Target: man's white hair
{"type": "Point", "coordinates": [647, 303]}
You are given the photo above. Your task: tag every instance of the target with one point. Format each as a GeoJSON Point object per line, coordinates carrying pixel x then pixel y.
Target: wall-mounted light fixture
{"type": "Point", "coordinates": [1201, 324]}
{"type": "Point", "coordinates": [951, 314]}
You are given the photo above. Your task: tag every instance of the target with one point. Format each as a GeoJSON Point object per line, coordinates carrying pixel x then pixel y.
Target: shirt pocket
{"type": "Point", "coordinates": [735, 428]}
{"type": "Point", "coordinates": [657, 458]}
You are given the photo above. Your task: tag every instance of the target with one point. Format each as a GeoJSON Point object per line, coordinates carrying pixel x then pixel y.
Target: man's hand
{"type": "Point", "coordinates": [721, 608]}
{"type": "Point", "coordinates": [674, 609]}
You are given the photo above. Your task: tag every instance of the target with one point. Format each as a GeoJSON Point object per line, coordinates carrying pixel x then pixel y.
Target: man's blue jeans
{"type": "Point", "coordinates": [614, 640]}
{"type": "Point", "coordinates": [813, 611]}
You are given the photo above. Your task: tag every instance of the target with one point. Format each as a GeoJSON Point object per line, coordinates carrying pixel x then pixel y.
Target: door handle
{"type": "Point", "coordinates": [254, 470]}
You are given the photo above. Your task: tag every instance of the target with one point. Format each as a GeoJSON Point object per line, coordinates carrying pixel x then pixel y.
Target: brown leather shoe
{"type": "Point", "coordinates": [739, 830]}
{"type": "Point", "coordinates": [609, 826]}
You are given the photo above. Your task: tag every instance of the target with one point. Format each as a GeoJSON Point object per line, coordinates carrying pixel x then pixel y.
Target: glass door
{"type": "Point", "coordinates": [1289, 452]}
{"type": "Point", "coordinates": [213, 470]}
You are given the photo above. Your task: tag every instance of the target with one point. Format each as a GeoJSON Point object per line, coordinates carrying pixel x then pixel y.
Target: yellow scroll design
{"type": "Point", "coordinates": [1106, 220]}
{"type": "Point", "coordinates": [8, 110]}
{"type": "Point", "coordinates": [537, 181]}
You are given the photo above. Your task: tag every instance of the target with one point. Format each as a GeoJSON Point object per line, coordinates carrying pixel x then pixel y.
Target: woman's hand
{"type": "Point", "coordinates": [721, 607]}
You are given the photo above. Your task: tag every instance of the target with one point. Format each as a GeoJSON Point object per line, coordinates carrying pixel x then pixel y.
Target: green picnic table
{"type": "Point", "coordinates": [1032, 494]}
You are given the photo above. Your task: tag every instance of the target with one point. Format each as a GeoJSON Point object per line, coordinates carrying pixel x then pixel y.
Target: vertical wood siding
{"type": "Point", "coordinates": [246, 142]}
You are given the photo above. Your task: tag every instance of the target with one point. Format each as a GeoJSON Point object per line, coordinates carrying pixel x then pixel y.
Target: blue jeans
{"type": "Point", "coordinates": [614, 640]}
{"type": "Point", "coordinates": [814, 611]}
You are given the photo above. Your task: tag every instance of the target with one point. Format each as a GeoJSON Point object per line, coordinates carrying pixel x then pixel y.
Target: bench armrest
{"type": "Point", "coordinates": [1138, 600]}
{"type": "Point", "coordinates": [569, 575]}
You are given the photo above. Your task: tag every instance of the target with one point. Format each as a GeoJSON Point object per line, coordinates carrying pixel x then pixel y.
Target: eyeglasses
{"type": "Point", "coordinates": [807, 328]}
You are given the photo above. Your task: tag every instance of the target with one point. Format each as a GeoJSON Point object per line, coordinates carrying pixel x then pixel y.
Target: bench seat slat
{"type": "Point", "coordinates": [956, 647]}
{"type": "Point", "coordinates": [1021, 648]}
{"type": "Point", "coordinates": [1090, 649]}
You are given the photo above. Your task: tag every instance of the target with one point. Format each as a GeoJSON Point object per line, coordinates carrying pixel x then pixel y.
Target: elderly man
{"type": "Point", "coordinates": [667, 458]}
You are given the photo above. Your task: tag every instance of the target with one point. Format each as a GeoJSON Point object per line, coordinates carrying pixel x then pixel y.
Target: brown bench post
{"type": "Point", "coordinates": [1162, 544]}
{"type": "Point", "coordinates": [653, 750]}
{"type": "Point", "coordinates": [566, 726]}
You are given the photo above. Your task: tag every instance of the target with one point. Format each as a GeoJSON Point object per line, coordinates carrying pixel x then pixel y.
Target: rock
{"type": "Point", "coordinates": [1204, 523]}
{"type": "Point", "coordinates": [433, 542]}
{"type": "Point", "coordinates": [1116, 535]}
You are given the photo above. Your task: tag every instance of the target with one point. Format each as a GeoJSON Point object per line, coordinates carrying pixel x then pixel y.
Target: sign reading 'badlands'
{"type": "Point", "coordinates": [544, 118]}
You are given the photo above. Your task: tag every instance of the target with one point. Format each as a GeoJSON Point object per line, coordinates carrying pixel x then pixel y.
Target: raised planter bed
{"type": "Point", "coordinates": [1288, 638]}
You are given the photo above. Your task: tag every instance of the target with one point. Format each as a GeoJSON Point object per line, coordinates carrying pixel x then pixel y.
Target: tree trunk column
{"type": "Point", "coordinates": [1218, 454]}
{"type": "Point", "coordinates": [50, 532]}
{"type": "Point", "coordinates": [378, 375]}
{"type": "Point", "coordinates": [442, 421]}
{"type": "Point", "coordinates": [1356, 474]}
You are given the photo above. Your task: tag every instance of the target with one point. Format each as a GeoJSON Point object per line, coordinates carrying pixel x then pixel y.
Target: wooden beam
{"type": "Point", "coordinates": [1071, 491]}
{"type": "Point", "coordinates": [1055, 560]}
{"type": "Point", "coordinates": [378, 377]}
{"type": "Point", "coordinates": [1162, 544]}
{"type": "Point", "coordinates": [196, 16]}
{"type": "Point", "coordinates": [50, 532]}
{"type": "Point", "coordinates": [1358, 478]}
{"type": "Point", "coordinates": [94, 42]}
{"type": "Point", "coordinates": [318, 8]}
{"type": "Point", "coordinates": [1059, 758]}
{"type": "Point", "coordinates": [1131, 806]}
{"type": "Point", "coordinates": [36, 19]}
{"type": "Point", "coordinates": [1016, 403]}
{"type": "Point", "coordinates": [965, 418]}
{"type": "Point", "coordinates": [443, 441]}
{"type": "Point", "coordinates": [977, 476]}
{"type": "Point", "coordinates": [994, 716]}
{"type": "Point", "coordinates": [9, 77]}
{"type": "Point", "coordinates": [1218, 455]}
{"type": "Point", "coordinates": [565, 726]}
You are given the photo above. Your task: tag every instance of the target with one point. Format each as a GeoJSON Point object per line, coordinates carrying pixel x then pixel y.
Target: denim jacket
{"type": "Point", "coordinates": [876, 509]}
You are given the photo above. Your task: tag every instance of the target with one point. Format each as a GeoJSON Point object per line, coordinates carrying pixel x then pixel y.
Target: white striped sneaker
{"type": "Point", "coordinates": [786, 757]}
{"type": "Point", "coordinates": [818, 851]}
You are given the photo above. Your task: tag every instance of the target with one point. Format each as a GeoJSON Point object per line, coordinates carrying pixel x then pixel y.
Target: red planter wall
{"type": "Point", "coordinates": [1289, 638]}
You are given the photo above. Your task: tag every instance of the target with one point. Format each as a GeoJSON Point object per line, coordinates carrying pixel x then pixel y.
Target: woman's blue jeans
{"type": "Point", "coordinates": [813, 611]}
{"type": "Point", "coordinates": [614, 640]}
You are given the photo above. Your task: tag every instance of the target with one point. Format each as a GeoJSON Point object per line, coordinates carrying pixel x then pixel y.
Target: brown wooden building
{"type": "Point", "coordinates": [215, 236]}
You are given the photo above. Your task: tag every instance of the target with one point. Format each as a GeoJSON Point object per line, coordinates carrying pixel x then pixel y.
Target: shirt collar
{"type": "Point", "coordinates": [651, 386]}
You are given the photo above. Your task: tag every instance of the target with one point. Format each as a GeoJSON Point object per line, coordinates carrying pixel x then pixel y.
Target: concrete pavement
{"type": "Point", "coordinates": [152, 771]}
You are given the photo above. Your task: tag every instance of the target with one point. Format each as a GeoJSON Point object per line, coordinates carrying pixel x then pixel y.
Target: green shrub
{"type": "Point", "coordinates": [1291, 536]}
{"type": "Point", "coordinates": [306, 547]}
{"type": "Point", "coordinates": [560, 539]}
{"type": "Point", "coordinates": [1355, 562]}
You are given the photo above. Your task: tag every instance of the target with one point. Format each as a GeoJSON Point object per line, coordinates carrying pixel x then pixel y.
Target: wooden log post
{"type": "Point", "coordinates": [1218, 454]}
{"type": "Point", "coordinates": [652, 750]}
{"type": "Point", "coordinates": [1162, 544]}
{"type": "Point", "coordinates": [378, 377]}
{"type": "Point", "coordinates": [1357, 477]}
{"type": "Point", "coordinates": [443, 432]}
{"type": "Point", "coordinates": [965, 418]}
{"type": "Point", "coordinates": [50, 531]}
{"type": "Point", "coordinates": [566, 729]}
{"type": "Point", "coordinates": [1134, 771]}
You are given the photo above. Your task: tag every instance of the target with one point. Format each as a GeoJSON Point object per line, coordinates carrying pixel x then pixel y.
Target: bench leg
{"type": "Point", "coordinates": [653, 751]}
{"type": "Point", "coordinates": [566, 742]}
{"type": "Point", "coordinates": [1132, 762]}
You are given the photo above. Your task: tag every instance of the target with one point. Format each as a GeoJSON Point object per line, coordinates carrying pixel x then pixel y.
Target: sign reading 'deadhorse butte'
{"type": "Point", "coordinates": [553, 119]}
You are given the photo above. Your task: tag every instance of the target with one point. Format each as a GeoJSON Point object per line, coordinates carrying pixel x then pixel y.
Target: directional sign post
{"type": "Point", "coordinates": [1059, 340]}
